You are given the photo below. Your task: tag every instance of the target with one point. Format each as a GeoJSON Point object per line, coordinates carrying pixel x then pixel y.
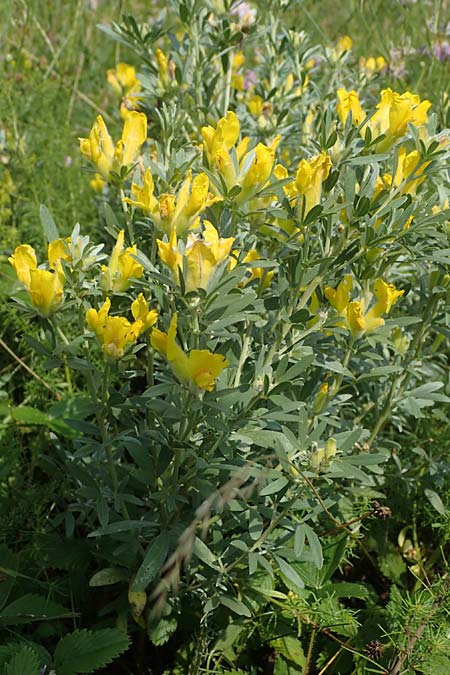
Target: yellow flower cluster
{"type": "Point", "coordinates": [124, 81]}
{"type": "Point", "coordinates": [109, 158]}
{"type": "Point", "coordinates": [181, 211]}
{"type": "Point", "coordinates": [122, 267]}
{"type": "Point", "coordinates": [354, 316]}
{"type": "Point", "coordinates": [236, 165]}
{"type": "Point", "coordinates": [393, 113]}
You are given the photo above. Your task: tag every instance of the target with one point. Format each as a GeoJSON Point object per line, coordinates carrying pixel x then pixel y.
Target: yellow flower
{"type": "Point", "coordinates": [217, 143]}
{"type": "Point", "coordinates": [122, 267]}
{"type": "Point", "coordinates": [46, 290]}
{"type": "Point", "coordinates": [24, 260]}
{"type": "Point", "coordinates": [406, 167]}
{"type": "Point", "coordinates": [258, 273]}
{"type": "Point", "coordinates": [166, 68]}
{"type": "Point", "coordinates": [199, 367]}
{"type": "Point", "coordinates": [255, 105]}
{"type": "Point", "coordinates": [258, 173]}
{"type": "Point", "coordinates": [97, 183]}
{"type": "Point", "coordinates": [106, 156]}
{"type": "Point", "coordinates": [144, 318]}
{"type": "Point", "coordinates": [123, 79]}
{"type": "Point", "coordinates": [344, 44]}
{"type": "Point", "coordinates": [373, 64]}
{"type": "Point", "coordinates": [45, 287]}
{"type": "Point", "coordinates": [339, 297]}
{"type": "Point", "coordinates": [58, 250]}
{"type": "Point", "coordinates": [394, 113]}
{"type": "Point", "coordinates": [386, 295]}
{"type": "Point", "coordinates": [182, 210]}
{"type": "Point", "coordinates": [308, 181]}
{"type": "Point", "coordinates": [115, 333]}
{"type": "Point", "coordinates": [349, 103]}
{"type": "Point", "coordinates": [201, 258]}
{"type": "Point", "coordinates": [359, 322]}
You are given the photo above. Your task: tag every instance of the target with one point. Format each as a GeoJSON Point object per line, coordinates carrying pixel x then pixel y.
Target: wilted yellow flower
{"type": "Point", "coordinates": [201, 257]}
{"type": "Point", "coordinates": [373, 64]}
{"type": "Point", "coordinates": [121, 268]}
{"type": "Point", "coordinates": [99, 147]}
{"type": "Point", "coordinates": [182, 211]}
{"type": "Point", "coordinates": [408, 165]}
{"type": "Point", "coordinates": [349, 103]}
{"type": "Point", "coordinates": [199, 367]}
{"type": "Point", "coordinates": [308, 181]}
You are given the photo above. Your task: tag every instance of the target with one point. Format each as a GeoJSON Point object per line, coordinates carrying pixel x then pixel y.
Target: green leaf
{"type": "Point", "coordinates": [289, 573]}
{"type": "Point", "coordinates": [160, 630]}
{"type": "Point", "coordinates": [48, 224]}
{"type": "Point", "coordinates": [274, 487]}
{"type": "Point", "coordinates": [106, 577]}
{"type": "Point", "coordinates": [316, 548]}
{"type": "Point", "coordinates": [236, 606]}
{"type": "Point", "coordinates": [435, 501]}
{"type": "Point", "coordinates": [435, 664]}
{"type": "Point", "coordinates": [346, 589]}
{"type": "Point", "coordinates": [204, 554]}
{"type": "Point", "coordinates": [84, 651]}
{"type": "Point", "coordinates": [30, 608]}
{"type": "Point", "coordinates": [25, 662]}
{"type": "Point", "coordinates": [27, 415]}
{"type": "Point", "coordinates": [154, 559]}
{"type": "Point", "coordinates": [291, 648]}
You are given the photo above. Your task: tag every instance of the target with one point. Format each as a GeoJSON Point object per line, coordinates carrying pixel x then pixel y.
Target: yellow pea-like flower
{"type": "Point", "coordinates": [121, 268]}
{"type": "Point", "coordinates": [386, 295]}
{"type": "Point", "coordinates": [123, 79]}
{"type": "Point", "coordinates": [394, 113]}
{"type": "Point", "coordinates": [24, 260]}
{"type": "Point", "coordinates": [144, 318]}
{"type": "Point", "coordinates": [182, 210]}
{"type": "Point", "coordinates": [308, 181]}
{"type": "Point", "coordinates": [373, 64]}
{"type": "Point", "coordinates": [199, 368]}
{"type": "Point", "coordinates": [107, 157]}
{"type": "Point", "coordinates": [408, 165]}
{"type": "Point", "coordinates": [339, 297]}
{"type": "Point", "coordinates": [115, 333]}
{"type": "Point", "coordinates": [349, 103]}
{"type": "Point", "coordinates": [200, 259]}
{"type": "Point", "coordinates": [45, 287]}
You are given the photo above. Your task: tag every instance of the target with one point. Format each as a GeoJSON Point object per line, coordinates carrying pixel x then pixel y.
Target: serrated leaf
{"type": "Point", "coordinates": [84, 651]}
{"type": "Point", "coordinates": [161, 630]}
{"type": "Point", "coordinates": [154, 559]}
{"type": "Point", "coordinates": [435, 664]}
{"type": "Point", "coordinates": [24, 662]}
